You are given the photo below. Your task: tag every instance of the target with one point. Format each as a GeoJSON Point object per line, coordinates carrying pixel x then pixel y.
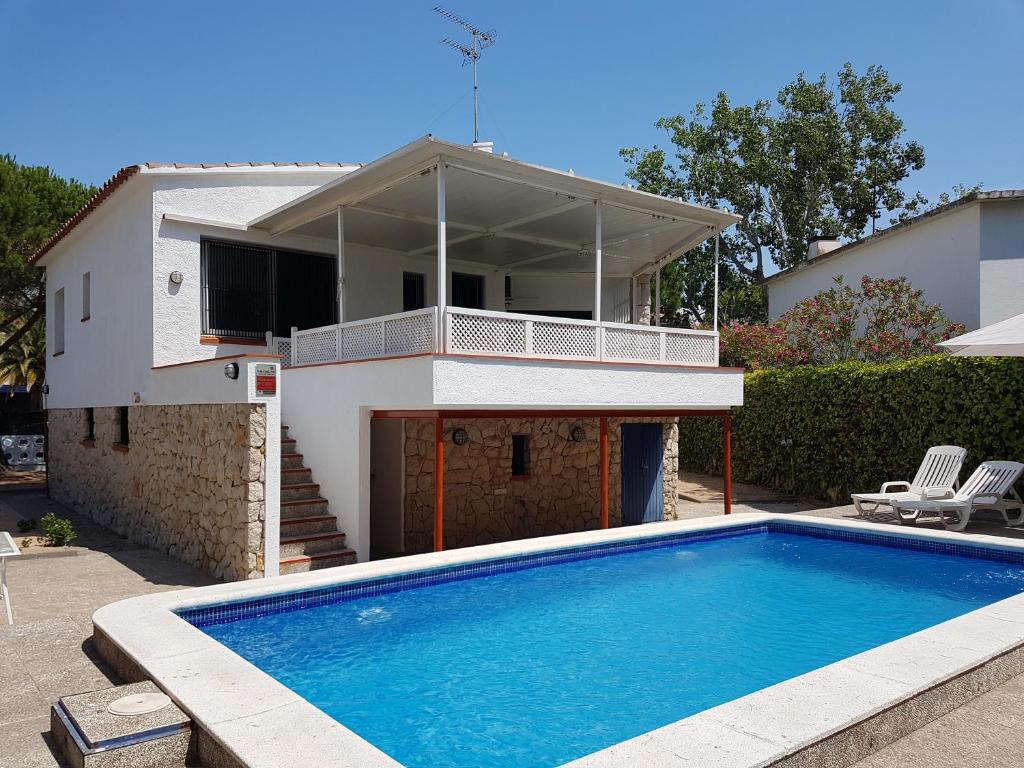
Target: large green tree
{"type": "Point", "coordinates": [825, 157]}
{"type": "Point", "coordinates": [34, 202]}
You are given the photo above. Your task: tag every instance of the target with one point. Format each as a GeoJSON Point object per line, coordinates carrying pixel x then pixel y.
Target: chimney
{"type": "Point", "coordinates": [820, 245]}
{"type": "Point", "coordinates": [484, 146]}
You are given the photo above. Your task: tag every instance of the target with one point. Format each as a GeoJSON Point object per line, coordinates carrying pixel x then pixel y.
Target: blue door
{"type": "Point", "coordinates": [642, 500]}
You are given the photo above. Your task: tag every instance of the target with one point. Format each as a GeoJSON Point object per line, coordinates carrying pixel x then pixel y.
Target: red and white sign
{"type": "Point", "coordinates": [266, 381]}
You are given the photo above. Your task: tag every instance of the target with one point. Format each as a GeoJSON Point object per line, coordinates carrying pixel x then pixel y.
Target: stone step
{"type": "Point", "coordinates": [287, 445]}
{"type": "Point", "coordinates": [303, 508]}
{"type": "Point", "coordinates": [297, 491]}
{"type": "Point", "coordinates": [330, 559]}
{"type": "Point", "coordinates": [290, 475]}
{"type": "Point", "coordinates": [291, 461]}
{"type": "Point", "coordinates": [301, 526]}
{"type": "Point", "coordinates": [311, 544]}
{"type": "Point", "coordinates": [89, 736]}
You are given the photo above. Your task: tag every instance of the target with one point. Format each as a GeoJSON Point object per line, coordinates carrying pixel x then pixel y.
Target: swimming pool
{"type": "Point", "coordinates": [534, 660]}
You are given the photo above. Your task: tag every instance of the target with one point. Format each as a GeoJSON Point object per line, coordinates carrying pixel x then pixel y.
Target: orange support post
{"type": "Point", "coordinates": [438, 485]}
{"type": "Point", "coordinates": [727, 469]}
{"type": "Point", "coordinates": [604, 471]}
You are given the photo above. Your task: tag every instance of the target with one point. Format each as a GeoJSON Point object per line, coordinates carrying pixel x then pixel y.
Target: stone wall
{"type": "Point", "coordinates": [190, 482]}
{"type": "Point", "coordinates": [483, 503]}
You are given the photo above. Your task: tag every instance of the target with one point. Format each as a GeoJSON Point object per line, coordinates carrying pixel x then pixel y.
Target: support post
{"type": "Point", "coordinates": [438, 484]}
{"type": "Point", "coordinates": [657, 297]}
{"type": "Point", "coordinates": [727, 461]}
{"type": "Point", "coordinates": [341, 265]}
{"type": "Point", "coordinates": [715, 321]}
{"type": "Point", "coordinates": [597, 263]}
{"type": "Point", "coordinates": [442, 257]}
{"type": "Point", "coordinates": [604, 472]}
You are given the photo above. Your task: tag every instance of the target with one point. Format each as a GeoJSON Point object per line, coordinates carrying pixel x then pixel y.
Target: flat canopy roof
{"type": "Point", "coordinates": [499, 212]}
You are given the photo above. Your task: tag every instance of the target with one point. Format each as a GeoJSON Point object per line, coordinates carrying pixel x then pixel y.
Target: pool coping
{"type": "Point", "coordinates": [260, 723]}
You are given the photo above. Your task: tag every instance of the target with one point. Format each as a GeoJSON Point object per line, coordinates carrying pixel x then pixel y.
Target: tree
{"type": "Point", "coordinates": [920, 204]}
{"type": "Point", "coordinates": [34, 202]}
{"type": "Point", "coordinates": [23, 363]}
{"type": "Point", "coordinates": [886, 319]}
{"type": "Point", "coordinates": [821, 159]}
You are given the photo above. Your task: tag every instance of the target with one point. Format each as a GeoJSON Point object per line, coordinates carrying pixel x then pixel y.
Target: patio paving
{"type": "Point", "coordinates": [48, 652]}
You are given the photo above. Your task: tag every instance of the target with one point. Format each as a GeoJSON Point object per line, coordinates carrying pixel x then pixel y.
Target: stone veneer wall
{"type": "Point", "coordinates": [190, 482]}
{"type": "Point", "coordinates": [561, 494]}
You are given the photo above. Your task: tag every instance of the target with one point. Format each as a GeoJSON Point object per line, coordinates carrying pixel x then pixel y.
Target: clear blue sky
{"type": "Point", "coordinates": [87, 87]}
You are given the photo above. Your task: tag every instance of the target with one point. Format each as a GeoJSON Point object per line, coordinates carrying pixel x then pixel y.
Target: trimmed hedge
{"type": "Point", "coordinates": [855, 425]}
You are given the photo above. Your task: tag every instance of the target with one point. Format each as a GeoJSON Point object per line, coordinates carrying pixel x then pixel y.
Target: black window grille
{"type": "Point", "coordinates": [90, 424]}
{"type": "Point", "coordinates": [122, 425]}
{"type": "Point", "coordinates": [249, 290]}
{"type": "Point", "coordinates": [467, 290]}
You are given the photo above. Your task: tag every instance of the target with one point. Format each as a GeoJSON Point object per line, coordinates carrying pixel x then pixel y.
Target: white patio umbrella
{"type": "Point", "coordinates": [1002, 339]}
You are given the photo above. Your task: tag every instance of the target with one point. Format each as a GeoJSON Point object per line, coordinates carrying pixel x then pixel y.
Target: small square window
{"type": "Point", "coordinates": [86, 295]}
{"type": "Point", "coordinates": [520, 455]}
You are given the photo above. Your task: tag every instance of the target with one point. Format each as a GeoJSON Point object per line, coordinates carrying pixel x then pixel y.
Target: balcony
{"type": "Point", "coordinates": [476, 332]}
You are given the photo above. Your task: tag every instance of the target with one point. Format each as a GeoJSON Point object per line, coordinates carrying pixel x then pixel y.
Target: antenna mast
{"type": "Point", "coordinates": [470, 54]}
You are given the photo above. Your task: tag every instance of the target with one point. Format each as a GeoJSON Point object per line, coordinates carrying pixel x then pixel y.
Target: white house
{"type": "Point", "coordinates": [459, 344]}
{"type": "Point", "coordinates": [967, 256]}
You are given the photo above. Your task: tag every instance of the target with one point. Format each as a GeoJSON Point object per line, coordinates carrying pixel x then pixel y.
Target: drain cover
{"type": "Point", "coordinates": [138, 704]}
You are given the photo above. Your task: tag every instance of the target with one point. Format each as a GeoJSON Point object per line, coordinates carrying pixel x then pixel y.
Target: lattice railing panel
{"type": "Point", "coordinates": [283, 347]}
{"type": "Point", "coordinates": [691, 349]}
{"type": "Point", "coordinates": [317, 345]}
{"type": "Point", "coordinates": [486, 334]}
{"type": "Point", "coordinates": [553, 339]}
{"type": "Point", "coordinates": [410, 334]}
{"type": "Point", "coordinates": [632, 344]}
{"type": "Point", "coordinates": [362, 341]}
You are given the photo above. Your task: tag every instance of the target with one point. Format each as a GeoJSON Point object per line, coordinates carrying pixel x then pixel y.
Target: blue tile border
{"type": "Point", "coordinates": [286, 602]}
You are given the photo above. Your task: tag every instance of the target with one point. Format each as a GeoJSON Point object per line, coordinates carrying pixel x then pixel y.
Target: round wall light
{"type": "Point", "coordinates": [577, 435]}
{"type": "Point", "coordinates": [460, 436]}
{"type": "Point", "coordinates": [177, 278]}
{"type": "Point", "coordinates": [231, 370]}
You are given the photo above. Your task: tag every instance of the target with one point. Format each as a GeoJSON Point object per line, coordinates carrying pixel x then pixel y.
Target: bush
{"type": "Point", "coordinates": [59, 530]}
{"type": "Point", "coordinates": [27, 524]}
{"type": "Point", "coordinates": [855, 425]}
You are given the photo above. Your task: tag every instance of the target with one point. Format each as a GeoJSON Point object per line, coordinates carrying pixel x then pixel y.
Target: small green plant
{"type": "Point", "coordinates": [59, 530]}
{"type": "Point", "coordinates": [27, 524]}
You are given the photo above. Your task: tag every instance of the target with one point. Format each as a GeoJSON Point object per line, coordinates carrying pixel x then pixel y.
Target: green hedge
{"type": "Point", "coordinates": [856, 425]}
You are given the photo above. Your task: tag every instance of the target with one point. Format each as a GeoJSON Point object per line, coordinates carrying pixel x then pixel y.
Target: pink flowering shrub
{"type": "Point", "coordinates": [886, 320]}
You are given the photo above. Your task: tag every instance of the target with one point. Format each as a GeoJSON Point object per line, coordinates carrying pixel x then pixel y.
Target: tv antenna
{"type": "Point", "coordinates": [470, 55]}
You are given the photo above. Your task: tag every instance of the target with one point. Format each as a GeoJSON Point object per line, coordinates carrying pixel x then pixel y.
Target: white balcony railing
{"type": "Point", "coordinates": [500, 334]}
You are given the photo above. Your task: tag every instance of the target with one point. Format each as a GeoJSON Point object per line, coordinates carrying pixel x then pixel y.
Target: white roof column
{"type": "Point", "coordinates": [657, 296]}
{"type": "Point", "coordinates": [442, 257]}
{"type": "Point", "coordinates": [341, 264]}
{"type": "Point", "coordinates": [597, 261]}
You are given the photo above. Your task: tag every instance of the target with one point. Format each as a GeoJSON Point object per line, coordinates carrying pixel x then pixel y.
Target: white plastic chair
{"type": "Point", "coordinates": [985, 489]}
{"type": "Point", "coordinates": [936, 478]}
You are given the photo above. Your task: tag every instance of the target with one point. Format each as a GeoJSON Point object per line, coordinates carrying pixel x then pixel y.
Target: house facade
{"type": "Point", "coordinates": [264, 368]}
{"type": "Point", "coordinates": [967, 256]}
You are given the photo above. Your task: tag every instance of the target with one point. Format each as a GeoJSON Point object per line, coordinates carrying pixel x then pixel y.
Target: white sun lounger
{"type": "Point", "coordinates": [985, 489]}
{"type": "Point", "coordinates": [936, 478]}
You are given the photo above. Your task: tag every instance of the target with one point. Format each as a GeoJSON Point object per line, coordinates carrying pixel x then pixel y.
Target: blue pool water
{"type": "Point", "coordinates": [539, 666]}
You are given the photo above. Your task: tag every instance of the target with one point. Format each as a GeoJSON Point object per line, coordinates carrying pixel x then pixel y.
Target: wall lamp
{"type": "Point", "coordinates": [231, 370]}
{"type": "Point", "coordinates": [177, 278]}
{"type": "Point", "coordinates": [577, 435]}
{"type": "Point", "coordinates": [460, 436]}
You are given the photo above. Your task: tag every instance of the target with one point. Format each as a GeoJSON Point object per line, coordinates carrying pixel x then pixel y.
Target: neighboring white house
{"type": "Point", "coordinates": [967, 256]}
{"type": "Point", "coordinates": [442, 313]}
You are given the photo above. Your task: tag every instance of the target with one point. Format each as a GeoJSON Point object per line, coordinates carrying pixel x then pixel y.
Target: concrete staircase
{"type": "Point", "coordinates": [310, 538]}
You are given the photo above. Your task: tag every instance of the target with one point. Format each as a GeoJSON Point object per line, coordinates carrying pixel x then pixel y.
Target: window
{"type": "Point", "coordinates": [520, 455]}
{"type": "Point", "coordinates": [58, 322]}
{"type": "Point", "coordinates": [248, 290]}
{"type": "Point", "coordinates": [413, 291]}
{"type": "Point", "coordinates": [90, 424]}
{"type": "Point", "coordinates": [122, 425]}
{"type": "Point", "coordinates": [467, 290]}
{"type": "Point", "coordinates": [86, 296]}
